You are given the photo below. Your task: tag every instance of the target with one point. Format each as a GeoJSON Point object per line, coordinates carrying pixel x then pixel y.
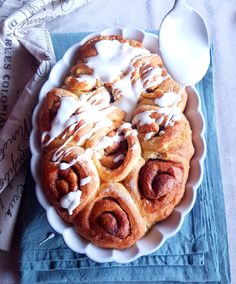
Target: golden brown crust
{"type": "Point", "coordinates": [175, 144]}
{"type": "Point", "coordinates": [57, 182]}
{"type": "Point", "coordinates": [74, 83]}
{"type": "Point", "coordinates": [157, 187]}
{"type": "Point", "coordinates": [88, 49]}
{"type": "Point", "coordinates": [49, 110]}
{"type": "Point", "coordinates": [142, 168]}
{"type": "Point", "coordinates": [114, 162]}
{"type": "Point", "coordinates": [149, 98]}
{"type": "Point", "coordinates": [112, 219]}
{"type": "Point", "coordinates": [46, 115]}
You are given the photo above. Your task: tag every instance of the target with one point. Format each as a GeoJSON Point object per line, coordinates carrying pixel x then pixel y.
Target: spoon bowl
{"type": "Point", "coordinates": [184, 44]}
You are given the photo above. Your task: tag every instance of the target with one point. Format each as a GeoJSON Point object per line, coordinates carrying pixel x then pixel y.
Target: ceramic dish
{"type": "Point", "coordinates": [155, 238]}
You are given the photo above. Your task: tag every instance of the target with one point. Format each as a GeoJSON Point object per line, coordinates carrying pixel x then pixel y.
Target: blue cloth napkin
{"type": "Point", "coordinates": [197, 253]}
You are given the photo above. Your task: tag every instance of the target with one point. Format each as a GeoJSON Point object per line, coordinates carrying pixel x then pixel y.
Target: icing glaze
{"type": "Point", "coordinates": [167, 99]}
{"type": "Point", "coordinates": [71, 200]}
{"type": "Point", "coordinates": [133, 132]}
{"type": "Point", "coordinates": [173, 114]}
{"type": "Point", "coordinates": [143, 118]}
{"type": "Point", "coordinates": [91, 108]}
{"type": "Point", "coordinates": [135, 147]}
{"type": "Point", "coordinates": [115, 63]}
{"type": "Point", "coordinates": [124, 126]}
{"type": "Point", "coordinates": [162, 132]}
{"type": "Point", "coordinates": [108, 141]}
{"type": "Point", "coordinates": [120, 157]}
{"type": "Point", "coordinates": [63, 152]}
{"type": "Point", "coordinates": [61, 120]}
{"type": "Point", "coordinates": [112, 59]}
{"type": "Point", "coordinates": [148, 136]}
{"type": "Point", "coordinates": [50, 236]}
{"type": "Point", "coordinates": [85, 180]}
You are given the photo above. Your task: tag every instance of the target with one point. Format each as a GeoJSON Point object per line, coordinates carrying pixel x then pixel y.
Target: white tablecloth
{"type": "Point", "coordinates": [147, 14]}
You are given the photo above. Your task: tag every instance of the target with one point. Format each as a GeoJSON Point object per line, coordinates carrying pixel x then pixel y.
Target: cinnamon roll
{"type": "Point", "coordinates": [164, 95]}
{"type": "Point", "coordinates": [70, 179]}
{"type": "Point", "coordinates": [175, 143]}
{"type": "Point", "coordinates": [65, 118]}
{"type": "Point", "coordinates": [111, 220]}
{"type": "Point", "coordinates": [156, 186]}
{"type": "Point", "coordinates": [83, 77]}
{"type": "Point", "coordinates": [116, 146]}
{"type": "Point", "coordinates": [117, 151]}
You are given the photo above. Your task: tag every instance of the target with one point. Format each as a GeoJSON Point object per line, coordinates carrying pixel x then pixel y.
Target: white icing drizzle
{"type": "Point", "coordinates": [130, 91]}
{"type": "Point", "coordinates": [134, 147]}
{"type": "Point", "coordinates": [113, 58]}
{"type": "Point", "coordinates": [63, 152]}
{"type": "Point", "coordinates": [143, 118]}
{"type": "Point", "coordinates": [85, 180]}
{"type": "Point", "coordinates": [153, 78]}
{"type": "Point", "coordinates": [115, 62]}
{"type": "Point", "coordinates": [148, 136]}
{"type": "Point", "coordinates": [71, 200]}
{"type": "Point", "coordinates": [166, 100]}
{"type": "Point", "coordinates": [61, 120]}
{"type": "Point", "coordinates": [161, 133]}
{"type": "Point", "coordinates": [119, 158]}
{"type": "Point", "coordinates": [132, 132]}
{"type": "Point", "coordinates": [108, 141]}
{"type": "Point", "coordinates": [81, 157]}
{"type": "Point", "coordinates": [86, 78]}
{"type": "Point", "coordinates": [50, 236]}
{"type": "Point", "coordinates": [98, 125]}
{"type": "Point", "coordinates": [173, 114]}
{"type": "Point", "coordinates": [129, 95]}
{"type": "Point", "coordinates": [124, 126]}
{"type": "Point", "coordinates": [128, 133]}
{"type": "Point", "coordinates": [91, 108]}
{"type": "Point", "coordinates": [160, 120]}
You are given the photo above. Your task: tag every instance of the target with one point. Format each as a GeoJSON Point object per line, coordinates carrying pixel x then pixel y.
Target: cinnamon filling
{"type": "Point", "coordinates": [66, 181]}
{"type": "Point", "coordinates": [113, 220]}
{"type": "Point", "coordinates": [157, 178]}
{"type": "Point", "coordinates": [112, 152]}
{"type": "Point", "coordinates": [108, 222]}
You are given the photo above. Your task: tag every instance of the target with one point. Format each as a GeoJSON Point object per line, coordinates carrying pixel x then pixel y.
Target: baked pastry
{"type": "Point", "coordinates": [116, 146]}
{"type": "Point", "coordinates": [70, 179]}
{"type": "Point", "coordinates": [64, 118]}
{"type": "Point", "coordinates": [112, 219]}
{"type": "Point", "coordinates": [117, 151]}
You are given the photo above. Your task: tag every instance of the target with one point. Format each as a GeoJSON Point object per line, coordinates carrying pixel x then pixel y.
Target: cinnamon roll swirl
{"type": "Point", "coordinates": [164, 95]}
{"type": "Point", "coordinates": [65, 118]}
{"type": "Point", "coordinates": [156, 186]}
{"type": "Point", "coordinates": [117, 151]}
{"type": "Point", "coordinates": [174, 144]}
{"type": "Point", "coordinates": [69, 179]}
{"type": "Point", "coordinates": [111, 220]}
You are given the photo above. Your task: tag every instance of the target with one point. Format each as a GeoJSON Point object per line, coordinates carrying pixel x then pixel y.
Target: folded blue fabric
{"type": "Point", "coordinates": [192, 255]}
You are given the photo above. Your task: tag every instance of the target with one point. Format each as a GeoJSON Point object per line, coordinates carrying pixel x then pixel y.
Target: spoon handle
{"type": "Point", "coordinates": [180, 2]}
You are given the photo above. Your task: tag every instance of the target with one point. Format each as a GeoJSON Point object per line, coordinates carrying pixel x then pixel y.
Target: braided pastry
{"type": "Point", "coordinates": [116, 146]}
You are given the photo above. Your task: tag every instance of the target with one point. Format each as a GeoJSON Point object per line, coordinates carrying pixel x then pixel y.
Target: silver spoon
{"type": "Point", "coordinates": [184, 44]}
